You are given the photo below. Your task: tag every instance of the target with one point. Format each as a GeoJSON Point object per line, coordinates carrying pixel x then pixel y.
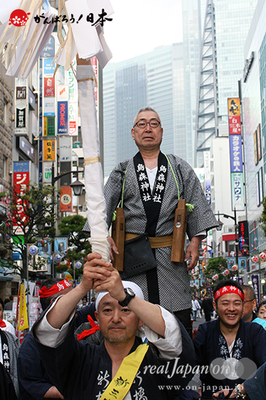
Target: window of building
{"type": "Point", "coordinates": [6, 112]}
{"type": "Point", "coordinates": [5, 167]}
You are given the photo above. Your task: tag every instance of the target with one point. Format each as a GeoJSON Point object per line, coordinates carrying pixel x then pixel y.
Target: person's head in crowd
{"type": "Point", "coordinates": [1, 308]}
{"type": "Point", "coordinates": [250, 303]}
{"type": "Point", "coordinates": [262, 310]}
{"type": "Point", "coordinates": [147, 125]}
{"type": "Point", "coordinates": [118, 324]}
{"type": "Point", "coordinates": [52, 288]}
{"type": "Point", "coordinates": [228, 302]}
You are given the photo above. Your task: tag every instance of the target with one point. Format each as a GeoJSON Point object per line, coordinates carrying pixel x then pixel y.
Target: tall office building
{"type": "Point", "coordinates": [225, 30]}
{"type": "Point", "coordinates": [193, 13]}
{"type": "Point", "coordinates": [155, 79]}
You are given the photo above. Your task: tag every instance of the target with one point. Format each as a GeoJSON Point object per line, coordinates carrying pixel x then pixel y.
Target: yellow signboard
{"type": "Point", "coordinates": [48, 150]}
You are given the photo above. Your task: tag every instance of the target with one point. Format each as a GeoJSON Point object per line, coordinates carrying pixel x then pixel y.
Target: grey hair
{"type": "Point", "coordinates": [147, 108]}
{"type": "Point", "coordinates": [250, 291]}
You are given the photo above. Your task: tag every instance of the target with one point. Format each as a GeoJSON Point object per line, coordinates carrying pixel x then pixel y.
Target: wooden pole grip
{"type": "Point", "coordinates": [118, 235]}
{"type": "Point", "coordinates": [179, 233]}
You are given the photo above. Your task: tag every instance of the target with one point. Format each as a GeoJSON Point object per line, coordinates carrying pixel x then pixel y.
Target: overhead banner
{"type": "Point", "coordinates": [236, 158]}
{"type": "Point", "coordinates": [23, 314]}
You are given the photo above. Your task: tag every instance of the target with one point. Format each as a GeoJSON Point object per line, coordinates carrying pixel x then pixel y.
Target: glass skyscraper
{"type": "Point", "coordinates": [230, 21]}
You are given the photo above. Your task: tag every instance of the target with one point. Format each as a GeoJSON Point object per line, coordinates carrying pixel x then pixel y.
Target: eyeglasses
{"type": "Point", "coordinates": [247, 301]}
{"type": "Point", "coordinates": [142, 123]}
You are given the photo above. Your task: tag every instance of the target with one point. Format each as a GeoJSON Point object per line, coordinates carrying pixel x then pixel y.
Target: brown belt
{"type": "Point", "coordinates": [155, 242]}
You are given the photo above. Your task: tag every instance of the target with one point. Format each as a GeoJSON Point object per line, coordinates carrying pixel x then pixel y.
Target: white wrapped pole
{"type": "Point", "coordinates": [95, 201]}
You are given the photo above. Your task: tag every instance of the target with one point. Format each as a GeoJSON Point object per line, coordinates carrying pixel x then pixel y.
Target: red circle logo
{"type": "Point", "coordinates": [18, 18]}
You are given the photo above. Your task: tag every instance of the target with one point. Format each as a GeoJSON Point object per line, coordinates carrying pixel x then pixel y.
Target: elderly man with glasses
{"type": "Point", "coordinates": [150, 186]}
{"type": "Point", "coordinates": [250, 303]}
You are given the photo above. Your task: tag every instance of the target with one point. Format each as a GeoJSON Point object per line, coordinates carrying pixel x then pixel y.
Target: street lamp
{"type": "Point", "coordinates": [236, 240]}
{"type": "Point", "coordinates": [77, 189]}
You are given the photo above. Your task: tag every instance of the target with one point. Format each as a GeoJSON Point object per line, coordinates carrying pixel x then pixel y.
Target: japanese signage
{"type": "Point", "coordinates": [256, 286]}
{"type": "Point", "coordinates": [21, 92]}
{"type": "Point", "coordinates": [65, 198]}
{"type": "Point", "coordinates": [49, 87]}
{"type": "Point", "coordinates": [236, 153]}
{"type": "Point", "coordinates": [48, 106]}
{"type": "Point", "coordinates": [21, 118]}
{"type": "Point", "coordinates": [257, 145]}
{"type": "Point", "coordinates": [48, 66]}
{"type": "Point", "coordinates": [94, 64]}
{"type": "Point", "coordinates": [21, 107]}
{"type": "Point", "coordinates": [243, 234]}
{"type": "Point", "coordinates": [49, 126]}
{"type": "Point", "coordinates": [27, 148]}
{"type": "Point", "coordinates": [62, 93]}
{"type": "Point", "coordinates": [236, 161]}
{"type": "Point", "coordinates": [73, 100]}
{"type": "Point", "coordinates": [49, 48]}
{"type": "Point", "coordinates": [48, 150]}
{"type": "Point", "coordinates": [65, 148]}
{"type": "Point", "coordinates": [47, 172]}
{"type": "Point", "coordinates": [237, 189]}
{"type": "Point", "coordinates": [60, 244]}
{"type": "Point", "coordinates": [21, 180]}
{"type": "Point", "coordinates": [62, 117]}
{"type": "Point", "coordinates": [207, 176]}
{"type": "Point", "coordinates": [259, 187]}
{"type": "Point", "coordinates": [234, 116]}
{"type": "Point", "coordinates": [248, 64]}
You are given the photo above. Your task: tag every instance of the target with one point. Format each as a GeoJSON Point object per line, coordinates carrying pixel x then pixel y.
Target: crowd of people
{"type": "Point", "coordinates": [59, 360]}
{"type": "Point", "coordinates": [134, 342]}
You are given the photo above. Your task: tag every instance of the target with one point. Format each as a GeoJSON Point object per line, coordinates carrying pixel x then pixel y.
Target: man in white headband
{"type": "Point", "coordinates": [124, 366]}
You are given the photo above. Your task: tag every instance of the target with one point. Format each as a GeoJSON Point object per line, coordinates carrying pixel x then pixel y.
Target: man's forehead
{"type": "Point", "coordinates": [107, 300]}
{"type": "Point", "coordinates": [148, 115]}
{"type": "Point", "coordinates": [230, 296]}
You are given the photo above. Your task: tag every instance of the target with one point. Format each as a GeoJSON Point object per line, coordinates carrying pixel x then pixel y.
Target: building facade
{"type": "Point", "coordinates": [254, 121]}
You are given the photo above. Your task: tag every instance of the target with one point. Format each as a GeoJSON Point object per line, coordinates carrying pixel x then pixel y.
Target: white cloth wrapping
{"type": "Point", "coordinates": [41, 34]}
{"type": "Point", "coordinates": [95, 201]}
{"type": "Point", "coordinates": [136, 289]}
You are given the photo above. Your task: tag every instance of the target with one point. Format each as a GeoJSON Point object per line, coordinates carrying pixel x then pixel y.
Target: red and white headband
{"type": "Point", "coordinates": [228, 290]}
{"type": "Point", "coordinates": [56, 288]}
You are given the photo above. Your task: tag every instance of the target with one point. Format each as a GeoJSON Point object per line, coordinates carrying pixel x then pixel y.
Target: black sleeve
{"type": "Point", "coordinates": [34, 381]}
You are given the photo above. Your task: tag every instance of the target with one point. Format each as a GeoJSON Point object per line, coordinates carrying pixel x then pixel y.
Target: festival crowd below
{"type": "Point", "coordinates": [234, 329]}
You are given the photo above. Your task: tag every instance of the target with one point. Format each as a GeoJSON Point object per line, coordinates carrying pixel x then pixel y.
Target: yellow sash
{"type": "Point", "coordinates": [125, 376]}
